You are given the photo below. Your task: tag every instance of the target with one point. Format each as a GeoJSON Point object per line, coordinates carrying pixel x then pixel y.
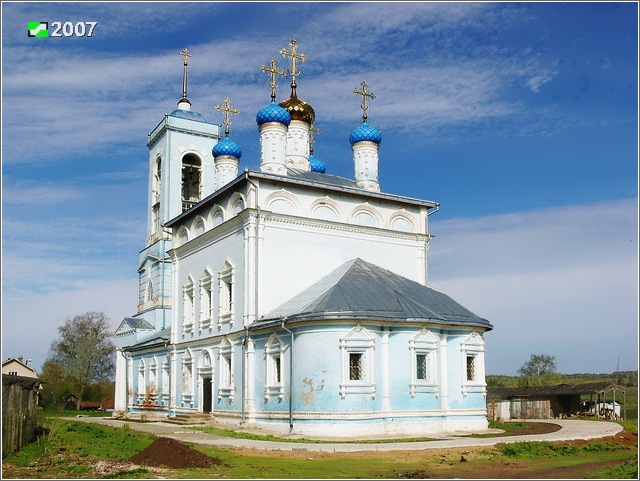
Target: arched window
{"type": "Point", "coordinates": [149, 290]}
{"type": "Point", "coordinates": [274, 385]}
{"type": "Point", "coordinates": [364, 218]}
{"type": "Point", "coordinates": [155, 193]}
{"type": "Point", "coordinates": [218, 218]}
{"type": "Point", "coordinates": [226, 294]}
{"type": "Point", "coordinates": [157, 179]}
{"type": "Point", "coordinates": [238, 207]}
{"type": "Point", "coordinates": [206, 300]}
{"type": "Point", "coordinates": [187, 377]}
{"type": "Point", "coordinates": [402, 224]}
{"type": "Point", "coordinates": [225, 373]}
{"type": "Point", "coordinates": [191, 170]}
{"type": "Point", "coordinates": [188, 306]}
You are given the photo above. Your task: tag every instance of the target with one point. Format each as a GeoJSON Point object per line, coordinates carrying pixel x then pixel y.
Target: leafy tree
{"type": "Point", "coordinates": [84, 351]}
{"type": "Point", "coordinates": [56, 386]}
{"type": "Point", "coordinates": [539, 370]}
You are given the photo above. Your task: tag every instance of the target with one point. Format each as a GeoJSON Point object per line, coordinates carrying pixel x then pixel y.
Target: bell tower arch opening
{"type": "Point", "coordinates": [191, 181]}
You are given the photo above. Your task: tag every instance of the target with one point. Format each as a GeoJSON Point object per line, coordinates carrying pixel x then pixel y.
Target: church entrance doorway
{"type": "Point", "coordinates": [207, 394]}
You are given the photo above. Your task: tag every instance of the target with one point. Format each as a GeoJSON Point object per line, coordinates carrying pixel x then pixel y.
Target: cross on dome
{"type": "Point", "coordinates": [294, 56]}
{"type": "Point", "coordinates": [228, 110]}
{"type": "Point", "coordinates": [312, 139]}
{"type": "Point", "coordinates": [185, 57]}
{"type": "Point", "coordinates": [273, 71]}
{"type": "Point", "coordinates": [364, 94]}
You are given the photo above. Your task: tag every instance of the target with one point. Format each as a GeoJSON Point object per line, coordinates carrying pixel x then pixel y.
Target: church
{"type": "Point", "coordinates": [288, 298]}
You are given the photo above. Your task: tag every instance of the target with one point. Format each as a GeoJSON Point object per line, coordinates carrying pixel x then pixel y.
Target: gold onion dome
{"type": "Point", "coordinates": [298, 109]}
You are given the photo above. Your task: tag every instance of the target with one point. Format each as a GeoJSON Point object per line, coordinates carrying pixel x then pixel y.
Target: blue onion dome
{"type": "Point", "coordinates": [227, 147]}
{"type": "Point", "coordinates": [316, 164]}
{"type": "Point", "coordinates": [299, 109]}
{"type": "Point", "coordinates": [273, 113]}
{"type": "Point", "coordinates": [365, 132]}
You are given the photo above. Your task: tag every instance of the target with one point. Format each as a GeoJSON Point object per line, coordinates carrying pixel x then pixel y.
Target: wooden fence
{"type": "Point", "coordinates": [519, 408]}
{"type": "Point", "coordinates": [19, 404]}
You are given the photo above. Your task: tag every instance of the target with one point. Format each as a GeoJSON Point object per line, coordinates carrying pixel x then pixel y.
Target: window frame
{"type": "Point", "coordinates": [226, 294]}
{"type": "Point", "coordinates": [358, 341]}
{"type": "Point", "coordinates": [424, 343]}
{"type": "Point", "coordinates": [273, 350]}
{"type": "Point", "coordinates": [187, 378]}
{"type": "Point", "coordinates": [473, 347]}
{"type": "Point", "coordinates": [225, 371]}
{"type": "Point", "coordinates": [206, 300]}
{"type": "Point", "coordinates": [188, 306]}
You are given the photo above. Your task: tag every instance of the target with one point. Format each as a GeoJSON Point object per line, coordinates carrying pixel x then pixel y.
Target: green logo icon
{"type": "Point", "coordinates": [38, 29]}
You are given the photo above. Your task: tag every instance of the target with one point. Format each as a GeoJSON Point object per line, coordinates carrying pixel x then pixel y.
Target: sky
{"type": "Point", "coordinates": [520, 119]}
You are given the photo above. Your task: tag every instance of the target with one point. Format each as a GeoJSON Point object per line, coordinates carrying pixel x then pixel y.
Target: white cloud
{"type": "Point", "coordinates": [561, 281]}
{"type": "Point", "coordinates": [67, 253]}
{"type": "Point", "coordinates": [30, 321]}
{"type": "Point", "coordinates": [32, 192]}
{"type": "Point", "coordinates": [90, 99]}
{"type": "Point", "coordinates": [539, 80]}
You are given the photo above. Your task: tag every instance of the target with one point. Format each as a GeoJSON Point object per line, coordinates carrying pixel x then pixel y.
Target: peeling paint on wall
{"type": "Point", "coordinates": [308, 390]}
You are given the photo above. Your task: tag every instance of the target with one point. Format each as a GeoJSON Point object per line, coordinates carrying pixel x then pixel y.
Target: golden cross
{"type": "Point", "coordinates": [294, 55]}
{"type": "Point", "coordinates": [228, 110]}
{"type": "Point", "coordinates": [185, 57]}
{"type": "Point", "coordinates": [364, 95]}
{"type": "Point", "coordinates": [273, 71]}
{"type": "Point", "coordinates": [312, 140]}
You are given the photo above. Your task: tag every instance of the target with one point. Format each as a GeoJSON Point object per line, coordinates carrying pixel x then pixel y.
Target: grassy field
{"type": "Point", "coordinates": [77, 450]}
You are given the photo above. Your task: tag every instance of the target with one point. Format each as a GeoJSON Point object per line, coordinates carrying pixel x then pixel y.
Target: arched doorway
{"type": "Point", "coordinates": [205, 371]}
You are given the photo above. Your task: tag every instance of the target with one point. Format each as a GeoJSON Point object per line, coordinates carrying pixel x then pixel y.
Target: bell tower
{"type": "Point", "coordinates": [181, 174]}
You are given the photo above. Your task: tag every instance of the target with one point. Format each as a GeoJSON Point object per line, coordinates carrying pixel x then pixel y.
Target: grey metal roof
{"type": "Point", "coordinates": [557, 390]}
{"type": "Point", "coordinates": [361, 290]}
{"type": "Point", "coordinates": [307, 179]}
{"type": "Point", "coordinates": [318, 178]}
{"type": "Point", "coordinates": [157, 339]}
{"type": "Point", "coordinates": [133, 323]}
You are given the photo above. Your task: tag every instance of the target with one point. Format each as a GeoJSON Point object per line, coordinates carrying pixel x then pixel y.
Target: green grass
{"type": "Point", "coordinates": [544, 449]}
{"type": "Point", "coordinates": [627, 470]}
{"type": "Point", "coordinates": [313, 466]}
{"type": "Point", "coordinates": [506, 427]}
{"type": "Point", "coordinates": [73, 413]}
{"type": "Point", "coordinates": [138, 473]}
{"type": "Point", "coordinates": [76, 439]}
{"type": "Point", "coordinates": [71, 447]}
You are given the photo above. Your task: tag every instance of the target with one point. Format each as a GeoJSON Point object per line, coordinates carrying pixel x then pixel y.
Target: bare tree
{"type": "Point", "coordinates": [84, 350]}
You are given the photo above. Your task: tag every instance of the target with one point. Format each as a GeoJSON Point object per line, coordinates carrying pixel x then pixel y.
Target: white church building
{"type": "Point", "coordinates": [287, 298]}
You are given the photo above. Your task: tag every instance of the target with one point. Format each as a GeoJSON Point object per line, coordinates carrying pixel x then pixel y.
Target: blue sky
{"type": "Point", "coordinates": [520, 119]}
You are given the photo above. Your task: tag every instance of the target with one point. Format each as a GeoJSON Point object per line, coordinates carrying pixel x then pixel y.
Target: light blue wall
{"type": "Point", "coordinates": [318, 367]}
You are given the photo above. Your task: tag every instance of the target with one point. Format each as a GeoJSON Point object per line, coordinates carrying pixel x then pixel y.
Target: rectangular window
{"type": "Point", "coordinates": [226, 370]}
{"type": "Point", "coordinates": [277, 377]}
{"type": "Point", "coordinates": [471, 368]}
{"type": "Point", "coordinates": [355, 366]}
{"type": "Point", "coordinates": [188, 307]}
{"type": "Point", "coordinates": [421, 367]}
{"type": "Point", "coordinates": [226, 294]}
{"type": "Point", "coordinates": [228, 290]}
{"type": "Point", "coordinates": [206, 302]}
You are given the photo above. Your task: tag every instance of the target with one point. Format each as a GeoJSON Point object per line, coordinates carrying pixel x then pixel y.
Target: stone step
{"type": "Point", "coordinates": [196, 418]}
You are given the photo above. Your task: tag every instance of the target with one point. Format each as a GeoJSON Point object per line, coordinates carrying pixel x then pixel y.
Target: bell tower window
{"type": "Point", "coordinates": [155, 194]}
{"type": "Point", "coordinates": [191, 170]}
